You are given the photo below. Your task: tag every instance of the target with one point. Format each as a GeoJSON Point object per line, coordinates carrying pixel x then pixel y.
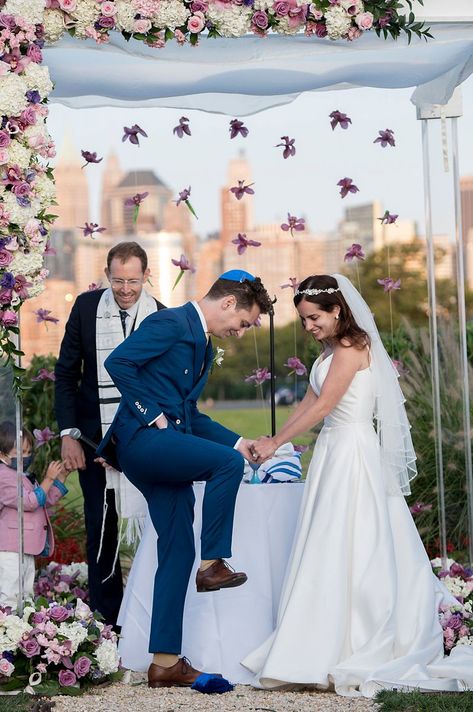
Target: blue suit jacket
{"type": "Point", "coordinates": [162, 368]}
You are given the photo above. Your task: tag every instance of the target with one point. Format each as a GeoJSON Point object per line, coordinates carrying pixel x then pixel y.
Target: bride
{"type": "Point", "coordinates": [359, 606]}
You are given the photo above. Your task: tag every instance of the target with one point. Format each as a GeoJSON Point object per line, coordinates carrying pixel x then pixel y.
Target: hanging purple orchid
{"type": "Point", "coordinates": [293, 223]}
{"type": "Point", "coordinates": [184, 265]}
{"type": "Point", "coordinates": [296, 366]}
{"type": "Point", "coordinates": [419, 507]}
{"type": "Point", "coordinates": [288, 145]}
{"type": "Point", "coordinates": [389, 284]}
{"type": "Point", "coordinates": [42, 315]}
{"type": "Point", "coordinates": [242, 241]}
{"type": "Point", "coordinates": [339, 119]}
{"type": "Point", "coordinates": [388, 218]}
{"type": "Point", "coordinates": [131, 134]}
{"type": "Point", "coordinates": [42, 437]}
{"type": "Point", "coordinates": [347, 186]}
{"type": "Point", "coordinates": [355, 252]}
{"type": "Point", "coordinates": [90, 157]}
{"type": "Point", "coordinates": [385, 138]}
{"type": "Point", "coordinates": [184, 198]}
{"type": "Point", "coordinates": [89, 229]}
{"type": "Point", "coordinates": [293, 283]}
{"type": "Point", "coordinates": [93, 286]}
{"type": "Point", "coordinates": [240, 189]}
{"type": "Point", "coordinates": [44, 375]}
{"type": "Point", "coordinates": [258, 376]}
{"type": "Point", "coordinates": [238, 127]}
{"type": "Point", "coordinates": [182, 128]}
{"type": "Point", "coordinates": [135, 203]}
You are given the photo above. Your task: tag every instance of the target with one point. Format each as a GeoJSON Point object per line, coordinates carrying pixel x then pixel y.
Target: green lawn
{"type": "Point", "coordinates": [421, 702]}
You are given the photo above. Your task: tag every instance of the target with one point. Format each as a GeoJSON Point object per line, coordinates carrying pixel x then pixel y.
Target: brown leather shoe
{"type": "Point", "coordinates": [182, 674]}
{"type": "Point", "coordinates": [219, 575]}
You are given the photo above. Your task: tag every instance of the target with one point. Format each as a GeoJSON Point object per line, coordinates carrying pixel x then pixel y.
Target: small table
{"type": "Point", "coordinates": [220, 627]}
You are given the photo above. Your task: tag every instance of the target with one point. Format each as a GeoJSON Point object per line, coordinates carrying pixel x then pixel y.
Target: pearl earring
{"type": "Point", "coordinates": [337, 317]}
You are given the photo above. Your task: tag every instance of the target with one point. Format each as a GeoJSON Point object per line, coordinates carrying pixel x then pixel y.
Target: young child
{"type": "Point", "coordinates": [37, 498]}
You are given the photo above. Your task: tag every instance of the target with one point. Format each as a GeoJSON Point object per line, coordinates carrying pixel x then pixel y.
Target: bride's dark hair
{"type": "Point", "coordinates": [347, 328]}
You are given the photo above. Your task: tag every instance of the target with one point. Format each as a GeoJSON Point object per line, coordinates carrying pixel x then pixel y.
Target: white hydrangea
{"type": "Point", "coordinates": [74, 631]}
{"type": "Point", "coordinates": [18, 214]}
{"type": "Point", "coordinates": [262, 5]}
{"type": "Point", "coordinates": [12, 629]}
{"type": "Point", "coordinates": [30, 10]}
{"type": "Point", "coordinates": [53, 25]}
{"type": "Point", "coordinates": [45, 189]}
{"type": "Point", "coordinates": [466, 640]}
{"type": "Point", "coordinates": [73, 568]}
{"type": "Point", "coordinates": [171, 13]}
{"type": "Point", "coordinates": [36, 288]}
{"type": "Point", "coordinates": [26, 264]}
{"type": "Point", "coordinates": [125, 16]}
{"type": "Point", "coordinates": [284, 28]}
{"type": "Point", "coordinates": [12, 95]}
{"type": "Point", "coordinates": [231, 22]}
{"type": "Point", "coordinates": [457, 586]}
{"type": "Point", "coordinates": [18, 155]}
{"type": "Point", "coordinates": [107, 657]}
{"type": "Point", "coordinates": [337, 21]}
{"type": "Point", "coordinates": [37, 77]}
{"type": "Point", "coordinates": [86, 13]}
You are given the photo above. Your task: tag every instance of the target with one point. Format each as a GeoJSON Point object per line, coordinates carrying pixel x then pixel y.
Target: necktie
{"type": "Point", "coordinates": [123, 316]}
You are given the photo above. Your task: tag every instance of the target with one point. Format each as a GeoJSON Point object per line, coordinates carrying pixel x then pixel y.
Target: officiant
{"type": "Point", "coordinates": [86, 398]}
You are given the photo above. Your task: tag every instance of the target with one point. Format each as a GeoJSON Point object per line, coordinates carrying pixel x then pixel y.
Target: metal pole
{"type": "Point", "coordinates": [271, 369]}
{"type": "Point", "coordinates": [434, 355]}
{"type": "Point", "coordinates": [19, 480]}
{"type": "Point", "coordinates": [460, 264]}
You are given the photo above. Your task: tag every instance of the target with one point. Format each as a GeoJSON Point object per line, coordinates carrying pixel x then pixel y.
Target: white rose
{"type": "Point", "coordinates": [30, 10]}
{"type": "Point", "coordinates": [171, 13]}
{"type": "Point", "coordinates": [37, 77]}
{"type": "Point", "coordinates": [337, 22]}
{"type": "Point", "coordinates": [12, 95]}
{"type": "Point", "coordinates": [53, 25]}
{"type": "Point", "coordinates": [6, 667]}
{"type": "Point", "coordinates": [107, 657]}
{"type": "Point", "coordinates": [18, 155]}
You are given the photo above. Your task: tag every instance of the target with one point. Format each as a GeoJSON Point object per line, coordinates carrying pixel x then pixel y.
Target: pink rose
{"type": "Point", "coordinates": [109, 9]}
{"type": "Point", "coordinates": [67, 5]}
{"type": "Point", "coordinates": [353, 33]}
{"type": "Point", "coordinates": [34, 53]}
{"type": "Point", "coordinates": [30, 647]}
{"type": "Point", "coordinates": [82, 666]}
{"type": "Point", "coordinates": [281, 8]}
{"type": "Point", "coordinates": [6, 667]}
{"type": "Point", "coordinates": [316, 14]}
{"type": "Point", "coordinates": [28, 116]}
{"type": "Point", "coordinates": [58, 614]}
{"type": "Point", "coordinates": [142, 26]}
{"type": "Point", "coordinates": [5, 297]}
{"type": "Point", "coordinates": [260, 20]}
{"type": "Point", "coordinates": [5, 139]}
{"type": "Point", "coordinates": [5, 257]}
{"type": "Point", "coordinates": [67, 678]}
{"type": "Point", "coordinates": [199, 6]}
{"type": "Point", "coordinates": [3, 155]}
{"type": "Point", "coordinates": [195, 24]}
{"type": "Point", "coordinates": [364, 20]}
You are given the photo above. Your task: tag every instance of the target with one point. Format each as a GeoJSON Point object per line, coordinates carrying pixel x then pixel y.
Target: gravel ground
{"type": "Point", "coordinates": [136, 696]}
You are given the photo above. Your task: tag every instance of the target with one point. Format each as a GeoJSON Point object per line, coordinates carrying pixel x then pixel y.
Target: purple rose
{"type": "Point", "coordinates": [58, 614]}
{"type": "Point", "coordinates": [82, 666]}
{"type": "Point", "coordinates": [199, 6]}
{"type": "Point", "coordinates": [21, 189]}
{"type": "Point", "coordinates": [39, 617]}
{"type": "Point", "coordinates": [30, 647]}
{"type": "Point", "coordinates": [5, 296]}
{"type": "Point", "coordinates": [320, 29]}
{"type": "Point", "coordinates": [260, 20]}
{"type": "Point", "coordinates": [34, 53]}
{"type": "Point", "coordinates": [5, 257]}
{"type": "Point", "coordinates": [107, 22]}
{"type": "Point", "coordinates": [67, 678]}
{"type": "Point", "coordinates": [5, 139]}
{"type": "Point", "coordinates": [28, 116]}
{"type": "Point", "coordinates": [281, 8]}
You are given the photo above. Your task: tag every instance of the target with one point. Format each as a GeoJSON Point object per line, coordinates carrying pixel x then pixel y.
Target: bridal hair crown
{"type": "Point", "coordinates": [314, 292]}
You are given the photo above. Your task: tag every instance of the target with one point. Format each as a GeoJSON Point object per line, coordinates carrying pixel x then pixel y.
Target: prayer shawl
{"type": "Point", "coordinates": [284, 466]}
{"type": "Point", "coordinates": [130, 503]}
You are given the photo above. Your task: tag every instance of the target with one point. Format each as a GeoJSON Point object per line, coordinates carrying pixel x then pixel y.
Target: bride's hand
{"type": "Point", "coordinates": [263, 449]}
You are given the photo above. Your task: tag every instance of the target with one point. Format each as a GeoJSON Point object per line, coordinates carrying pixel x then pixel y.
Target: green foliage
{"type": "Point", "coordinates": [422, 702]}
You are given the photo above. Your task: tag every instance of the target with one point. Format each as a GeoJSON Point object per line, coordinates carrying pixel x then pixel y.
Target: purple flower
{"type": "Point", "coordinates": [93, 286]}
{"type": "Point", "coordinates": [240, 189]}
{"type": "Point", "coordinates": [388, 218]}
{"type": "Point", "coordinates": [296, 366]}
{"type": "Point", "coordinates": [90, 157]}
{"type": "Point", "coordinates": [136, 199]}
{"type": "Point", "coordinates": [288, 145]}
{"type": "Point", "coordinates": [43, 436]}
{"type": "Point", "coordinates": [389, 284]}
{"type": "Point", "coordinates": [419, 507]}
{"type": "Point", "coordinates": [258, 376]}
{"type": "Point", "coordinates": [33, 96]}
{"type": "Point", "coordinates": [58, 613]}
{"type": "Point", "coordinates": [82, 666]}
{"type": "Point", "coordinates": [301, 448]}
{"type": "Point", "coordinates": [44, 375]}
{"type": "Point", "coordinates": [90, 228]}
{"type": "Point", "coordinates": [242, 242]}
{"type": "Point", "coordinates": [293, 283]}
{"type": "Point", "coordinates": [281, 8]}
{"type": "Point", "coordinates": [292, 224]}
{"type": "Point", "coordinates": [8, 280]}
{"type": "Point", "coordinates": [5, 139]}
{"type": "Point", "coordinates": [21, 286]}
{"type": "Point", "coordinates": [238, 127]}
{"type": "Point", "coordinates": [385, 137]}
{"type": "Point", "coordinates": [183, 126]}
{"type": "Point", "coordinates": [337, 118]}
{"type": "Point", "coordinates": [354, 252]}
{"type": "Point", "coordinates": [184, 264]}
{"type": "Point", "coordinates": [48, 250]}
{"type": "Point", "coordinates": [43, 315]}
{"type": "Point", "coordinates": [260, 20]}
{"type": "Point", "coordinates": [132, 134]}
{"type": "Point", "coordinates": [67, 678]}
{"type": "Point", "coordinates": [108, 23]}
{"type": "Point", "coordinates": [184, 198]}
{"type": "Point", "coordinates": [347, 186]}
{"type": "Point", "coordinates": [399, 366]}
{"type": "Point", "coordinates": [30, 647]}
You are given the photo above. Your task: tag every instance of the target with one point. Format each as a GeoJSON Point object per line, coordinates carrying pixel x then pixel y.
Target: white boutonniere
{"type": "Point", "coordinates": [218, 357]}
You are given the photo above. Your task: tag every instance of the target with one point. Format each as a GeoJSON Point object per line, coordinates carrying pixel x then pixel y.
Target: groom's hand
{"type": "Point", "coordinates": [263, 449]}
{"type": "Point", "coordinates": [245, 447]}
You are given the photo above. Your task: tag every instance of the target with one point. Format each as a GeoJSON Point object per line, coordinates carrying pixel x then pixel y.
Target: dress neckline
{"type": "Point", "coordinates": [322, 360]}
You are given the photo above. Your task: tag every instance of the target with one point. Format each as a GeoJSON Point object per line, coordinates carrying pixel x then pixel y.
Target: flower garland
{"type": "Point", "coordinates": [26, 183]}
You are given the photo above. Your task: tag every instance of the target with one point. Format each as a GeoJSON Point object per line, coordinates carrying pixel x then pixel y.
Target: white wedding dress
{"type": "Point", "coordinates": [358, 609]}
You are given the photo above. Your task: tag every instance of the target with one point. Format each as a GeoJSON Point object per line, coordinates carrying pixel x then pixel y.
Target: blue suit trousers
{"type": "Point", "coordinates": [163, 464]}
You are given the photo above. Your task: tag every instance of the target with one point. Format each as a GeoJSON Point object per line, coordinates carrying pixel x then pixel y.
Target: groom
{"type": "Point", "coordinates": [164, 444]}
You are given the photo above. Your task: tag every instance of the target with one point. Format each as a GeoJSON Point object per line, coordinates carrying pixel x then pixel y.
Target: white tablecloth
{"type": "Point", "coordinates": [220, 628]}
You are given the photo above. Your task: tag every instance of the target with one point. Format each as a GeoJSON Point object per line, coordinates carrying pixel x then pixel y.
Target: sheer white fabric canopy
{"type": "Point", "coordinates": [249, 74]}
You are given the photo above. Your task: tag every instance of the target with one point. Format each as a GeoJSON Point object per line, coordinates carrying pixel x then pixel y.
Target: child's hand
{"type": "Point", "coordinates": [57, 471]}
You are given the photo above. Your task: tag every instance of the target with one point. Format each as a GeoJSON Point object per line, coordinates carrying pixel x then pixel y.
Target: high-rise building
{"type": "Point", "coordinates": [236, 215]}
{"type": "Point", "coordinates": [72, 190]}
{"type": "Point", "coordinates": [466, 198]}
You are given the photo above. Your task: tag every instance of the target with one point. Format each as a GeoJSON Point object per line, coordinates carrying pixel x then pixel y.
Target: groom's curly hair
{"type": "Point", "coordinates": [348, 332]}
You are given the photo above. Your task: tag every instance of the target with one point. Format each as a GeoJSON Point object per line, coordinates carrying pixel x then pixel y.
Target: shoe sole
{"type": "Point", "coordinates": [231, 584]}
{"type": "Point", "coordinates": [169, 684]}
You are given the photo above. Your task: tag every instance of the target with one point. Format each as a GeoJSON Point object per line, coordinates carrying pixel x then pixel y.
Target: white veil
{"type": "Point", "coordinates": [397, 451]}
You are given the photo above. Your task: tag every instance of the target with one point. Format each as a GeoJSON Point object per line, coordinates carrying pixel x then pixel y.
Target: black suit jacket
{"type": "Point", "coordinates": [76, 387]}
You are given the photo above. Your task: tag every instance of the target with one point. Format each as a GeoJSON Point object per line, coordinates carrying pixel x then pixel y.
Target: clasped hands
{"type": "Point", "coordinates": [257, 451]}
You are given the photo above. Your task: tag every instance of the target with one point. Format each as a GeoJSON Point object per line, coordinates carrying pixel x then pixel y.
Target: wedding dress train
{"type": "Point", "coordinates": [359, 606]}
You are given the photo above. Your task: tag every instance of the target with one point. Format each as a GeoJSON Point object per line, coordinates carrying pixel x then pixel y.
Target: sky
{"type": "Point", "coordinates": [304, 185]}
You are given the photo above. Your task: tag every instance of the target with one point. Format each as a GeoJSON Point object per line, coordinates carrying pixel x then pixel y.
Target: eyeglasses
{"type": "Point", "coordinates": [117, 282]}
